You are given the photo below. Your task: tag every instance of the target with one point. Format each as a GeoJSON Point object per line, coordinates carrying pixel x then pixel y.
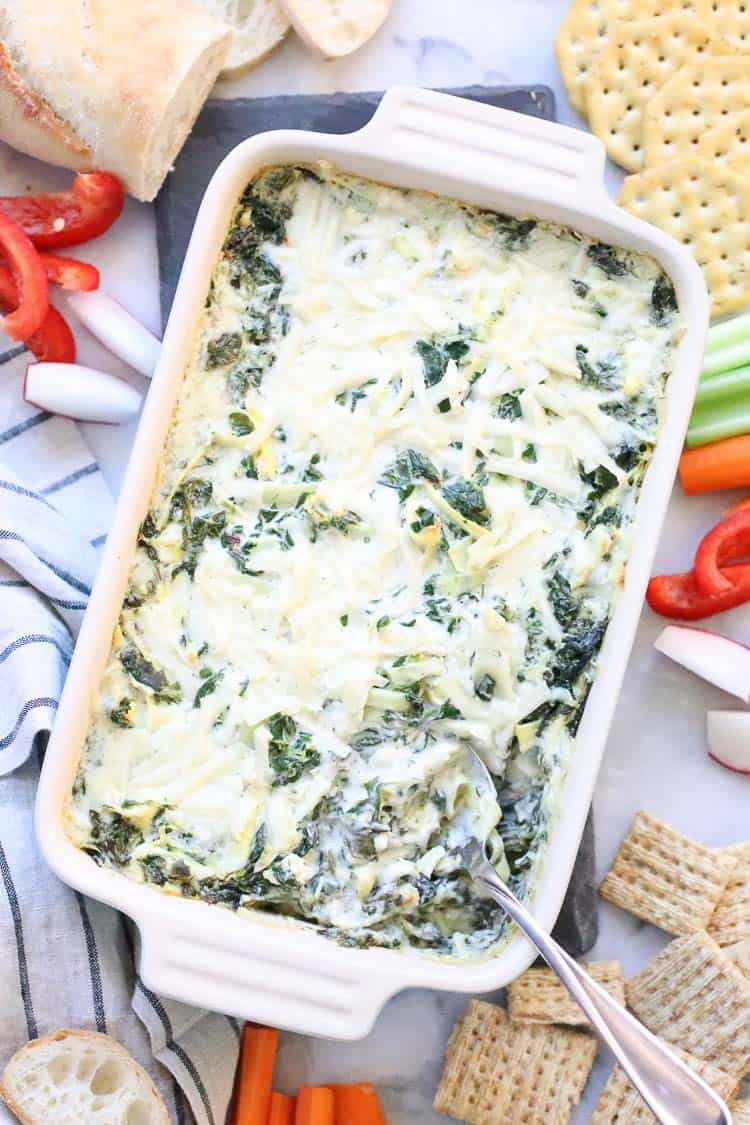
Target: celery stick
{"type": "Point", "coordinates": [729, 332]}
{"type": "Point", "coordinates": [714, 422]}
{"type": "Point", "coordinates": [726, 385]}
{"type": "Point", "coordinates": [727, 359]}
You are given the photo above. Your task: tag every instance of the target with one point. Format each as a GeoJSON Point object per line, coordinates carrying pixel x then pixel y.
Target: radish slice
{"type": "Point", "coordinates": [118, 330]}
{"type": "Point", "coordinates": [729, 739]}
{"type": "Point", "coordinates": [718, 659]}
{"type": "Point", "coordinates": [79, 392]}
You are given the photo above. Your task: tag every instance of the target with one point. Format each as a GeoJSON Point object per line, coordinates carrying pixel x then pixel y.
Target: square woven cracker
{"type": "Point", "coordinates": [502, 1072]}
{"type": "Point", "coordinates": [741, 1112]}
{"type": "Point", "coordinates": [694, 996]}
{"type": "Point", "coordinates": [665, 878]}
{"type": "Point", "coordinates": [694, 100]}
{"type": "Point", "coordinates": [730, 921]}
{"type": "Point", "coordinates": [740, 955]}
{"type": "Point", "coordinates": [728, 143]}
{"type": "Point", "coordinates": [538, 996]}
{"type": "Point", "coordinates": [706, 207]}
{"type": "Point", "coordinates": [621, 1104]}
{"type": "Point", "coordinates": [640, 57]}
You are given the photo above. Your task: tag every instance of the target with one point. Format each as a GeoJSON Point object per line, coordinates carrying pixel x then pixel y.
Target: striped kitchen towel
{"type": "Point", "coordinates": [68, 961]}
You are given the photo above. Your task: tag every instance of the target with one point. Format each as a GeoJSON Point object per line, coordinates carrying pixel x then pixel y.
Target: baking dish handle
{"type": "Point", "coordinates": [239, 975]}
{"type": "Point", "coordinates": [443, 133]}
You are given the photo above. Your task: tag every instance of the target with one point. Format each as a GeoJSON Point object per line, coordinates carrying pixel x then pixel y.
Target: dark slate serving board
{"type": "Point", "coordinates": [221, 126]}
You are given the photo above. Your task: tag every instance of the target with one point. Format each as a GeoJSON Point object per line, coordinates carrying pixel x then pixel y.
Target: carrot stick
{"type": "Point", "coordinates": [357, 1105]}
{"type": "Point", "coordinates": [314, 1106]}
{"type": "Point", "coordinates": [281, 1111]}
{"type": "Point", "coordinates": [255, 1075]}
{"type": "Point", "coordinates": [712, 468]}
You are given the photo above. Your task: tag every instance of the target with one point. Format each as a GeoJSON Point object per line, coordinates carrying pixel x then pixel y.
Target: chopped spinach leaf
{"type": "Point", "coordinates": [515, 232]}
{"type": "Point", "coordinates": [224, 349]}
{"type": "Point", "coordinates": [290, 750]}
{"type": "Point", "coordinates": [210, 682]}
{"type": "Point", "coordinates": [425, 517]}
{"type": "Point", "coordinates": [409, 467]}
{"type": "Point", "coordinates": [663, 301]}
{"type": "Point", "coordinates": [564, 604]}
{"type": "Point", "coordinates": [467, 499]}
{"type": "Point", "coordinates": [603, 374]}
{"type": "Point", "coordinates": [147, 675]}
{"type": "Point", "coordinates": [355, 395]}
{"type": "Point", "coordinates": [122, 715]}
{"type": "Point", "coordinates": [437, 354]}
{"type": "Point", "coordinates": [576, 652]}
{"type": "Point", "coordinates": [484, 688]}
{"type": "Point", "coordinates": [610, 261]}
{"type": "Point", "coordinates": [113, 837]}
{"type": "Point", "coordinates": [311, 471]}
{"type": "Point", "coordinates": [240, 424]}
{"type": "Point", "coordinates": [509, 405]}
{"type": "Point", "coordinates": [247, 464]}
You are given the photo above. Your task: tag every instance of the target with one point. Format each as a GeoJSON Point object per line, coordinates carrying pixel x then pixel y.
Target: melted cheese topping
{"type": "Point", "coordinates": [391, 523]}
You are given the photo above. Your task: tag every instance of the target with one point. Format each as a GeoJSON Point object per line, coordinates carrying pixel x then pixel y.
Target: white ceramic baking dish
{"type": "Point", "coordinates": [249, 965]}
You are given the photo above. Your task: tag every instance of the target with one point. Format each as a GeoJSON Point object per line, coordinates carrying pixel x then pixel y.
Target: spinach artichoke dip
{"type": "Point", "coordinates": [391, 522]}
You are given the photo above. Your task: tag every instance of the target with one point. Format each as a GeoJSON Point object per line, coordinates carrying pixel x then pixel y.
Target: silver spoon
{"type": "Point", "coordinates": [672, 1091]}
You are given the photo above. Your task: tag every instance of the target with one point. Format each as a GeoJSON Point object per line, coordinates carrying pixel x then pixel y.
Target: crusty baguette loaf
{"type": "Point", "coordinates": [336, 27]}
{"type": "Point", "coordinates": [258, 26]}
{"type": "Point", "coordinates": [80, 1078]}
{"type": "Point", "coordinates": [110, 84]}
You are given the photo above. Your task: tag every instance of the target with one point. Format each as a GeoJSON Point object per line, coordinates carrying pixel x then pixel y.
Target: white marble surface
{"type": "Point", "coordinates": [656, 755]}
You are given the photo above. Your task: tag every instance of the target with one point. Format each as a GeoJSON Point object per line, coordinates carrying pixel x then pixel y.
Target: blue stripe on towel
{"type": "Point", "coordinates": [30, 705]}
{"type": "Point", "coordinates": [176, 1049]}
{"type": "Point", "coordinates": [23, 968]}
{"type": "Point", "coordinates": [22, 427]}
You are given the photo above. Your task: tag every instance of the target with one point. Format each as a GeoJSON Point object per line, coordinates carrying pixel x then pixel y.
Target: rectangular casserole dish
{"type": "Point", "coordinates": [249, 966]}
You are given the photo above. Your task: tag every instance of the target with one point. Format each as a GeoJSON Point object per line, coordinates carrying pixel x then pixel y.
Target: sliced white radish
{"type": "Point", "coordinates": [718, 659]}
{"type": "Point", "coordinates": [729, 739]}
{"type": "Point", "coordinates": [118, 330]}
{"type": "Point", "coordinates": [336, 27]}
{"type": "Point", "coordinates": [80, 392]}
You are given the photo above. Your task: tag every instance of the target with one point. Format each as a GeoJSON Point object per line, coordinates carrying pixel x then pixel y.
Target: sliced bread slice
{"type": "Point", "coordinates": [71, 1077]}
{"type": "Point", "coordinates": [258, 25]}
{"type": "Point", "coordinates": [336, 27]}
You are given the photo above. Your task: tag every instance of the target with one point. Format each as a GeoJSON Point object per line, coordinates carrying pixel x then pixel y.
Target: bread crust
{"type": "Point", "coordinates": [96, 1039]}
{"type": "Point", "coordinates": [29, 124]}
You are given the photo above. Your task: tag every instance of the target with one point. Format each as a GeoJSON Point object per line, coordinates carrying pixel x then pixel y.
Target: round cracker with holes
{"type": "Point", "coordinates": [706, 207]}
{"type": "Point", "coordinates": [588, 27]}
{"type": "Point", "coordinates": [642, 56]}
{"type": "Point", "coordinates": [697, 98]}
{"type": "Point", "coordinates": [729, 143]}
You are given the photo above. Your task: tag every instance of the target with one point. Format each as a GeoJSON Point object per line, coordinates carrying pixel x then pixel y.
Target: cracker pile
{"type": "Point", "coordinates": [621, 1104]}
{"type": "Point", "coordinates": [531, 1063]}
{"type": "Point", "coordinates": [497, 1070]}
{"type": "Point", "coordinates": [666, 86]}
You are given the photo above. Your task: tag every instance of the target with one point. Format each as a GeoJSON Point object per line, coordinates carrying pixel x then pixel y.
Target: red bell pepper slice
{"type": "Point", "coordinates": [66, 218]}
{"type": "Point", "coordinates": [70, 273]}
{"type": "Point", "coordinates": [728, 542]}
{"type": "Point", "coordinates": [678, 596]}
{"type": "Point", "coordinates": [29, 279]}
{"type": "Point", "coordinates": [53, 342]}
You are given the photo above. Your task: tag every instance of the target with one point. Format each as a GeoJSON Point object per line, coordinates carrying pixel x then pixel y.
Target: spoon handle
{"type": "Point", "coordinates": [674, 1093]}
